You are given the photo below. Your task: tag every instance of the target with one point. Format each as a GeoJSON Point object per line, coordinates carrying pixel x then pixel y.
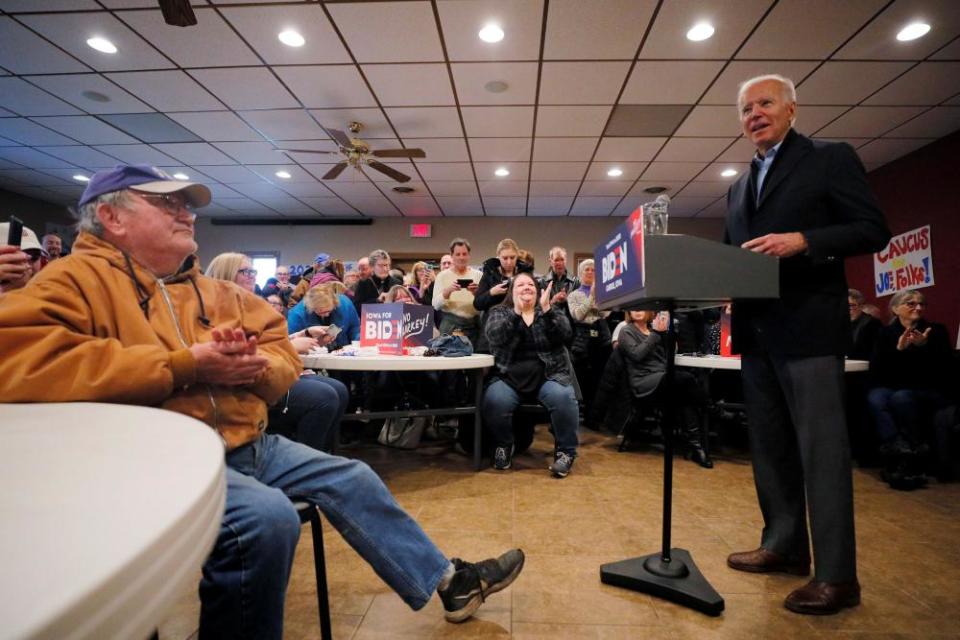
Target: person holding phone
{"type": "Point", "coordinates": [454, 291]}
{"type": "Point", "coordinates": [496, 276]}
{"type": "Point", "coordinates": [20, 257]}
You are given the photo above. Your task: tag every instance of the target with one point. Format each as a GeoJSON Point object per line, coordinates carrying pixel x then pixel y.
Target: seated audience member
{"type": "Point", "coordinates": [18, 264]}
{"type": "Point", "coordinates": [308, 278]}
{"type": "Point", "coordinates": [873, 310]}
{"type": "Point", "coordinates": [275, 301]}
{"type": "Point", "coordinates": [419, 281]}
{"type": "Point", "coordinates": [527, 338]}
{"type": "Point", "coordinates": [400, 293]}
{"type": "Point", "coordinates": [492, 288]}
{"type": "Point", "coordinates": [328, 270]}
{"type": "Point", "coordinates": [233, 267]}
{"type": "Point", "coordinates": [453, 294]}
{"type": "Point", "coordinates": [374, 289]}
{"type": "Point", "coordinates": [863, 328]}
{"type": "Point", "coordinates": [284, 287]}
{"type": "Point", "coordinates": [909, 373]}
{"type": "Point", "coordinates": [642, 347]}
{"type": "Point", "coordinates": [52, 246]}
{"type": "Point", "coordinates": [591, 339]}
{"type": "Point", "coordinates": [129, 318]}
{"type": "Point", "coordinates": [323, 307]}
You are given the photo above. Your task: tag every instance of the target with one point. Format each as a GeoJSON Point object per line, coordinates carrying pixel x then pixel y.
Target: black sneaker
{"type": "Point", "coordinates": [472, 583]}
{"type": "Point", "coordinates": [503, 458]}
{"type": "Point", "coordinates": [562, 463]}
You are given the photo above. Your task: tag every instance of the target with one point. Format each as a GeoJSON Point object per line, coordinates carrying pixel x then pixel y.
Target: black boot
{"type": "Point", "coordinates": [695, 435]}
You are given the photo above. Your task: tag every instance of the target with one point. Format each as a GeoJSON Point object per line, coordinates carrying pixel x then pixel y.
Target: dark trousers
{"type": "Point", "coordinates": [801, 459]}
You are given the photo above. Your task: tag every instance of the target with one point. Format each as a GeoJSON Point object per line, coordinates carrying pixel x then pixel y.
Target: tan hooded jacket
{"type": "Point", "coordinates": [99, 327]}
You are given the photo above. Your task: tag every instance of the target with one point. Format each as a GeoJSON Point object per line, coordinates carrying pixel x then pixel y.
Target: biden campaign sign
{"type": "Point", "coordinates": [391, 327]}
{"type": "Point", "coordinates": [619, 260]}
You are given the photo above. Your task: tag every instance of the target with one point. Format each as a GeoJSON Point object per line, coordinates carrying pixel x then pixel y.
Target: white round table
{"type": "Point", "coordinates": [733, 364]}
{"type": "Point", "coordinates": [108, 512]}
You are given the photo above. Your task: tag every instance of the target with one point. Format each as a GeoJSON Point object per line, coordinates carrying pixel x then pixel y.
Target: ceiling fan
{"type": "Point", "coordinates": [356, 152]}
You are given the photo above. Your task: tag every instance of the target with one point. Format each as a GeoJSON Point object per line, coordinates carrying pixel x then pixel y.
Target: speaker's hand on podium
{"type": "Point", "coordinates": [781, 245]}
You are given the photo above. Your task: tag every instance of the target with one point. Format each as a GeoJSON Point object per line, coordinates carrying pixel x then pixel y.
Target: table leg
{"type": "Point", "coordinates": [477, 422]}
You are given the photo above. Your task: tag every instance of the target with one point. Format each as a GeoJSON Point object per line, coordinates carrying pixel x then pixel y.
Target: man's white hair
{"type": "Point", "coordinates": [788, 89]}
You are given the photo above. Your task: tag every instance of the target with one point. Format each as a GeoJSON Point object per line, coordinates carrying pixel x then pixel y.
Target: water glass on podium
{"type": "Point", "coordinates": [655, 217]}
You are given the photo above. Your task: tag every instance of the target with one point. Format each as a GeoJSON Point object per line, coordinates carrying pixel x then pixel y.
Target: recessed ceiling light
{"type": "Point", "coordinates": [502, 172]}
{"type": "Point", "coordinates": [403, 189]}
{"type": "Point", "coordinates": [491, 33]}
{"type": "Point", "coordinates": [181, 176]}
{"type": "Point", "coordinates": [283, 174]}
{"type": "Point", "coordinates": [96, 96]}
{"type": "Point", "coordinates": [700, 31]}
{"type": "Point", "coordinates": [291, 38]}
{"type": "Point", "coordinates": [496, 86]}
{"type": "Point", "coordinates": [913, 31]}
{"type": "Point", "coordinates": [728, 173]}
{"type": "Point", "coordinates": [81, 178]}
{"type": "Point", "coordinates": [615, 172]}
{"type": "Point", "coordinates": [102, 44]}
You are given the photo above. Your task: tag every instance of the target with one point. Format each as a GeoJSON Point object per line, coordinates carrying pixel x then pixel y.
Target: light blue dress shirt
{"type": "Point", "coordinates": [763, 165]}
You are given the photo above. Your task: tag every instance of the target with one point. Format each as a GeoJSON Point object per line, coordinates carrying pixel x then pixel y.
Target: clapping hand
{"type": "Point", "coordinates": [545, 300]}
{"type": "Point", "coordinates": [661, 322]}
{"type": "Point", "coordinates": [912, 337]}
{"type": "Point", "coordinates": [230, 359]}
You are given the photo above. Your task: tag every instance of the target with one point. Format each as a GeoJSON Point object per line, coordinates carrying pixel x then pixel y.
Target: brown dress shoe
{"type": "Point", "coordinates": [823, 598]}
{"type": "Point", "coordinates": [765, 561]}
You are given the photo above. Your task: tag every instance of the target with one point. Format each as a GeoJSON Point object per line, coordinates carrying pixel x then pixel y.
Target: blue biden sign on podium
{"type": "Point", "coordinates": [619, 261]}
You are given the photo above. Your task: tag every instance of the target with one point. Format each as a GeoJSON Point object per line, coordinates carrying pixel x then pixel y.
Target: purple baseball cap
{"type": "Point", "coordinates": [142, 177]}
{"type": "Point", "coordinates": [322, 258]}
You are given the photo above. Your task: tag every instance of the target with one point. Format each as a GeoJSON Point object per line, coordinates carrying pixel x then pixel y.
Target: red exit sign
{"type": "Point", "coordinates": [421, 230]}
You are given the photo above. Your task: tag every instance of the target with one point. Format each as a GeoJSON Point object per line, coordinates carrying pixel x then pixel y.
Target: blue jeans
{"type": "Point", "coordinates": [500, 401]}
{"type": "Point", "coordinates": [313, 408]}
{"type": "Point", "coordinates": [245, 578]}
{"type": "Point", "coordinates": [900, 412]}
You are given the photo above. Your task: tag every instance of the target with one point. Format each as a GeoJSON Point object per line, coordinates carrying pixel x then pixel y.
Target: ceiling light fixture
{"type": "Point", "coordinates": [913, 31]}
{"type": "Point", "coordinates": [502, 172]}
{"type": "Point", "coordinates": [491, 33]}
{"type": "Point", "coordinates": [291, 38]}
{"type": "Point", "coordinates": [728, 173]}
{"type": "Point", "coordinates": [655, 190]}
{"type": "Point", "coordinates": [96, 96]}
{"type": "Point", "coordinates": [283, 174]}
{"type": "Point", "coordinates": [700, 31]}
{"type": "Point", "coordinates": [181, 176]}
{"type": "Point", "coordinates": [101, 44]}
{"type": "Point", "coordinates": [81, 178]}
{"type": "Point", "coordinates": [496, 86]}
{"type": "Point", "coordinates": [615, 172]}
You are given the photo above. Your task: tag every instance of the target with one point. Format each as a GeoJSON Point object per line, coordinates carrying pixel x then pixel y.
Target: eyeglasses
{"type": "Point", "coordinates": [171, 203]}
{"type": "Point", "coordinates": [34, 254]}
{"type": "Point", "coordinates": [913, 304]}
{"type": "Point", "coordinates": [250, 273]}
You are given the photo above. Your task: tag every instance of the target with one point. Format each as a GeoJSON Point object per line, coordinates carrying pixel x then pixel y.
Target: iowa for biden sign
{"type": "Point", "coordinates": [391, 327]}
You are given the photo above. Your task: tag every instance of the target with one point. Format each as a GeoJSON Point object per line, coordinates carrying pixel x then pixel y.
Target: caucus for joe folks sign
{"type": "Point", "coordinates": [905, 263]}
{"type": "Point", "coordinates": [619, 259]}
{"type": "Point", "coordinates": [390, 327]}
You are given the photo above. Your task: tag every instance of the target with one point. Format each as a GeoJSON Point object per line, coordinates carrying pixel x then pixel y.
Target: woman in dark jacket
{"type": "Point", "coordinates": [492, 288]}
{"type": "Point", "coordinates": [527, 338]}
{"type": "Point", "coordinates": [642, 346]}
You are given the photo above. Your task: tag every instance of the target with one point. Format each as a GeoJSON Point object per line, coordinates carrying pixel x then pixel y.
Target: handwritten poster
{"type": "Point", "coordinates": [905, 263]}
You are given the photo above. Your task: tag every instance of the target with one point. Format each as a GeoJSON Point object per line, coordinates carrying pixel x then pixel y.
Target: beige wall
{"type": "Point", "coordinates": [299, 244]}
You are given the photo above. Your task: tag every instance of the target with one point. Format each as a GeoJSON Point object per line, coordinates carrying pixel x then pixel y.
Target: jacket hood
{"type": "Point", "coordinates": [91, 245]}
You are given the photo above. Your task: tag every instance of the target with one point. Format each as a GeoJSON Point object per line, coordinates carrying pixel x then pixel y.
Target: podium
{"type": "Point", "coordinates": [674, 272]}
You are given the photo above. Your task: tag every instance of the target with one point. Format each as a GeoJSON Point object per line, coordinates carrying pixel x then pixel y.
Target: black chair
{"type": "Point", "coordinates": [309, 512]}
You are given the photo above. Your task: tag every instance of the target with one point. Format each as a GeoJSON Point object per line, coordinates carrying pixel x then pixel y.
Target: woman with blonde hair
{"type": "Point", "coordinates": [322, 306]}
{"type": "Point", "coordinates": [418, 281]}
{"type": "Point", "coordinates": [234, 267]}
{"type": "Point", "coordinates": [492, 289]}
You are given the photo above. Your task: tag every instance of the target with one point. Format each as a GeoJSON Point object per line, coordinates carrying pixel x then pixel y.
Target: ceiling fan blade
{"type": "Point", "coordinates": [178, 13]}
{"type": "Point", "coordinates": [335, 171]}
{"type": "Point", "coordinates": [331, 153]}
{"type": "Point", "coordinates": [342, 139]}
{"type": "Point", "coordinates": [390, 171]}
{"type": "Point", "coordinates": [399, 153]}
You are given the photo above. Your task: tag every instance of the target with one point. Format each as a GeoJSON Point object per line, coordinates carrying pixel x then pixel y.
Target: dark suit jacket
{"type": "Point", "coordinates": [819, 189]}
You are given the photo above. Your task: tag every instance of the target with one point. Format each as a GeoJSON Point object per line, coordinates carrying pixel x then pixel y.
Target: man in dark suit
{"type": "Point", "coordinates": [808, 203]}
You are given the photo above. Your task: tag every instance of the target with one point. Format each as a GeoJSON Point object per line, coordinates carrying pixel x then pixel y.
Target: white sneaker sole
{"type": "Point", "coordinates": [462, 614]}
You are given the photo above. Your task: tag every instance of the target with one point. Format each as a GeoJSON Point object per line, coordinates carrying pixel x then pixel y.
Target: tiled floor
{"type": "Point", "coordinates": [609, 509]}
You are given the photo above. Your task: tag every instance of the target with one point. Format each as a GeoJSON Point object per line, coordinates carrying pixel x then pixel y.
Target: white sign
{"type": "Point", "coordinates": [905, 263]}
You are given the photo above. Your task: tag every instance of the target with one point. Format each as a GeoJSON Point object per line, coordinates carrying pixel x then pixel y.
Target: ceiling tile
{"type": "Point", "coordinates": [519, 171]}
{"type": "Point", "coordinates": [824, 24]}
{"type": "Point", "coordinates": [86, 129]}
{"type": "Point", "coordinates": [631, 171]}
{"type": "Point", "coordinates": [604, 188]}
{"type": "Point", "coordinates": [691, 149]}
{"type": "Point", "coordinates": [935, 123]}
{"type": "Point", "coordinates": [25, 132]}
{"type": "Point", "coordinates": [711, 121]}
{"type": "Point", "coordinates": [684, 206]}
{"type": "Point", "coordinates": [712, 172]}
{"type": "Point", "coordinates": [288, 124]}
{"type": "Point", "coordinates": [642, 120]}
{"type": "Point", "coordinates": [453, 188]}
{"type": "Point", "coordinates": [253, 88]}
{"type": "Point", "coordinates": [500, 149]}
{"type": "Point", "coordinates": [868, 122]}
{"type": "Point", "coordinates": [604, 29]}
{"type": "Point", "coordinates": [389, 31]}
{"type": "Point", "coordinates": [232, 175]}
{"type": "Point", "coordinates": [460, 205]}
{"type": "Point", "coordinates": [498, 122]}
{"type": "Point", "coordinates": [260, 26]}
{"type": "Point", "coordinates": [191, 47]}
{"type": "Point", "coordinates": [34, 178]}
{"type": "Point", "coordinates": [847, 83]}
{"type": "Point", "coordinates": [521, 22]}
{"type": "Point", "coordinates": [374, 123]}
{"type": "Point", "coordinates": [81, 90]}
{"type": "Point", "coordinates": [582, 82]}
{"type": "Point", "coordinates": [949, 52]}
{"type": "Point", "coordinates": [327, 86]}
{"type": "Point", "coordinates": [471, 79]}
{"type": "Point", "coordinates": [716, 210]}
{"type": "Point", "coordinates": [217, 127]}
{"type": "Point", "coordinates": [27, 100]}
{"type": "Point", "coordinates": [167, 90]}
{"type": "Point", "coordinates": [549, 205]}
{"type": "Point", "coordinates": [572, 121]}
{"type": "Point", "coordinates": [558, 170]}
{"type": "Point", "coordinates": [889, 149]}
{"type": "Point", "coordinates": [724, 89]}
{"type": "Point", "coordinates": [815, 118]}
{"type": "Point", "coordinates": [298, 175]}
{"type": "Point", "coordinates": [594, 205]}
{"type": "Point", "coordinates": [425, 122]}
{"type": "Point", "coordinates": [15, 6]}
{"type": "Point", "coordinates": [510, 212]}
{"type": "Point", "coordinates": [506, 188]}
{"type": "Point", "coordinates": [440, 149]}
{"type": "Point", "coordinates": [669, 82]}
{"type": "Point", "coordinates": [151, 127]}
{"type": "Point", "coordinates": [563, 149]}
{"type": "Point", "coordinates": [392, 82]}
{"type": "Point", "coordinates": [194, 153]}
{"type": "Point", "coordinates": [554, 188]}
{"type": "Point", "coordinates": [330, 205]}
{"type": "Point", "coordinates": [43, 58]}
{"type": "Point", "coordinates": [928, 83]}
{"type": "Point", "coordinates": [250, 152]}
{"type": "Point", "coordinates": [877, 41]}
{"type": "Point", "coordinates": [733, 21]}
{"type": "Point", "coordinates": [627, 149]}
{"type": "Point", "coordinates": [741, 150]}
{"type": "Point", "coordinates": [32, 158]}
{"type": "Point", "coordinates": [306, 189]}
{"type": "Point", "coordinates": [137, 154]}
{"type": "Point", "coordinates": [445, 170]}
{"type": "Point", "coordinates": [712, 189]}
{"type": "Point", "coordinates": [83, 156]}
{"type": "Point", "coordinates": [658, 171]}
{"type": "Point", "coordinates": [71, 31]}
{"type": "Point", "coordinates": [417, 207]}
